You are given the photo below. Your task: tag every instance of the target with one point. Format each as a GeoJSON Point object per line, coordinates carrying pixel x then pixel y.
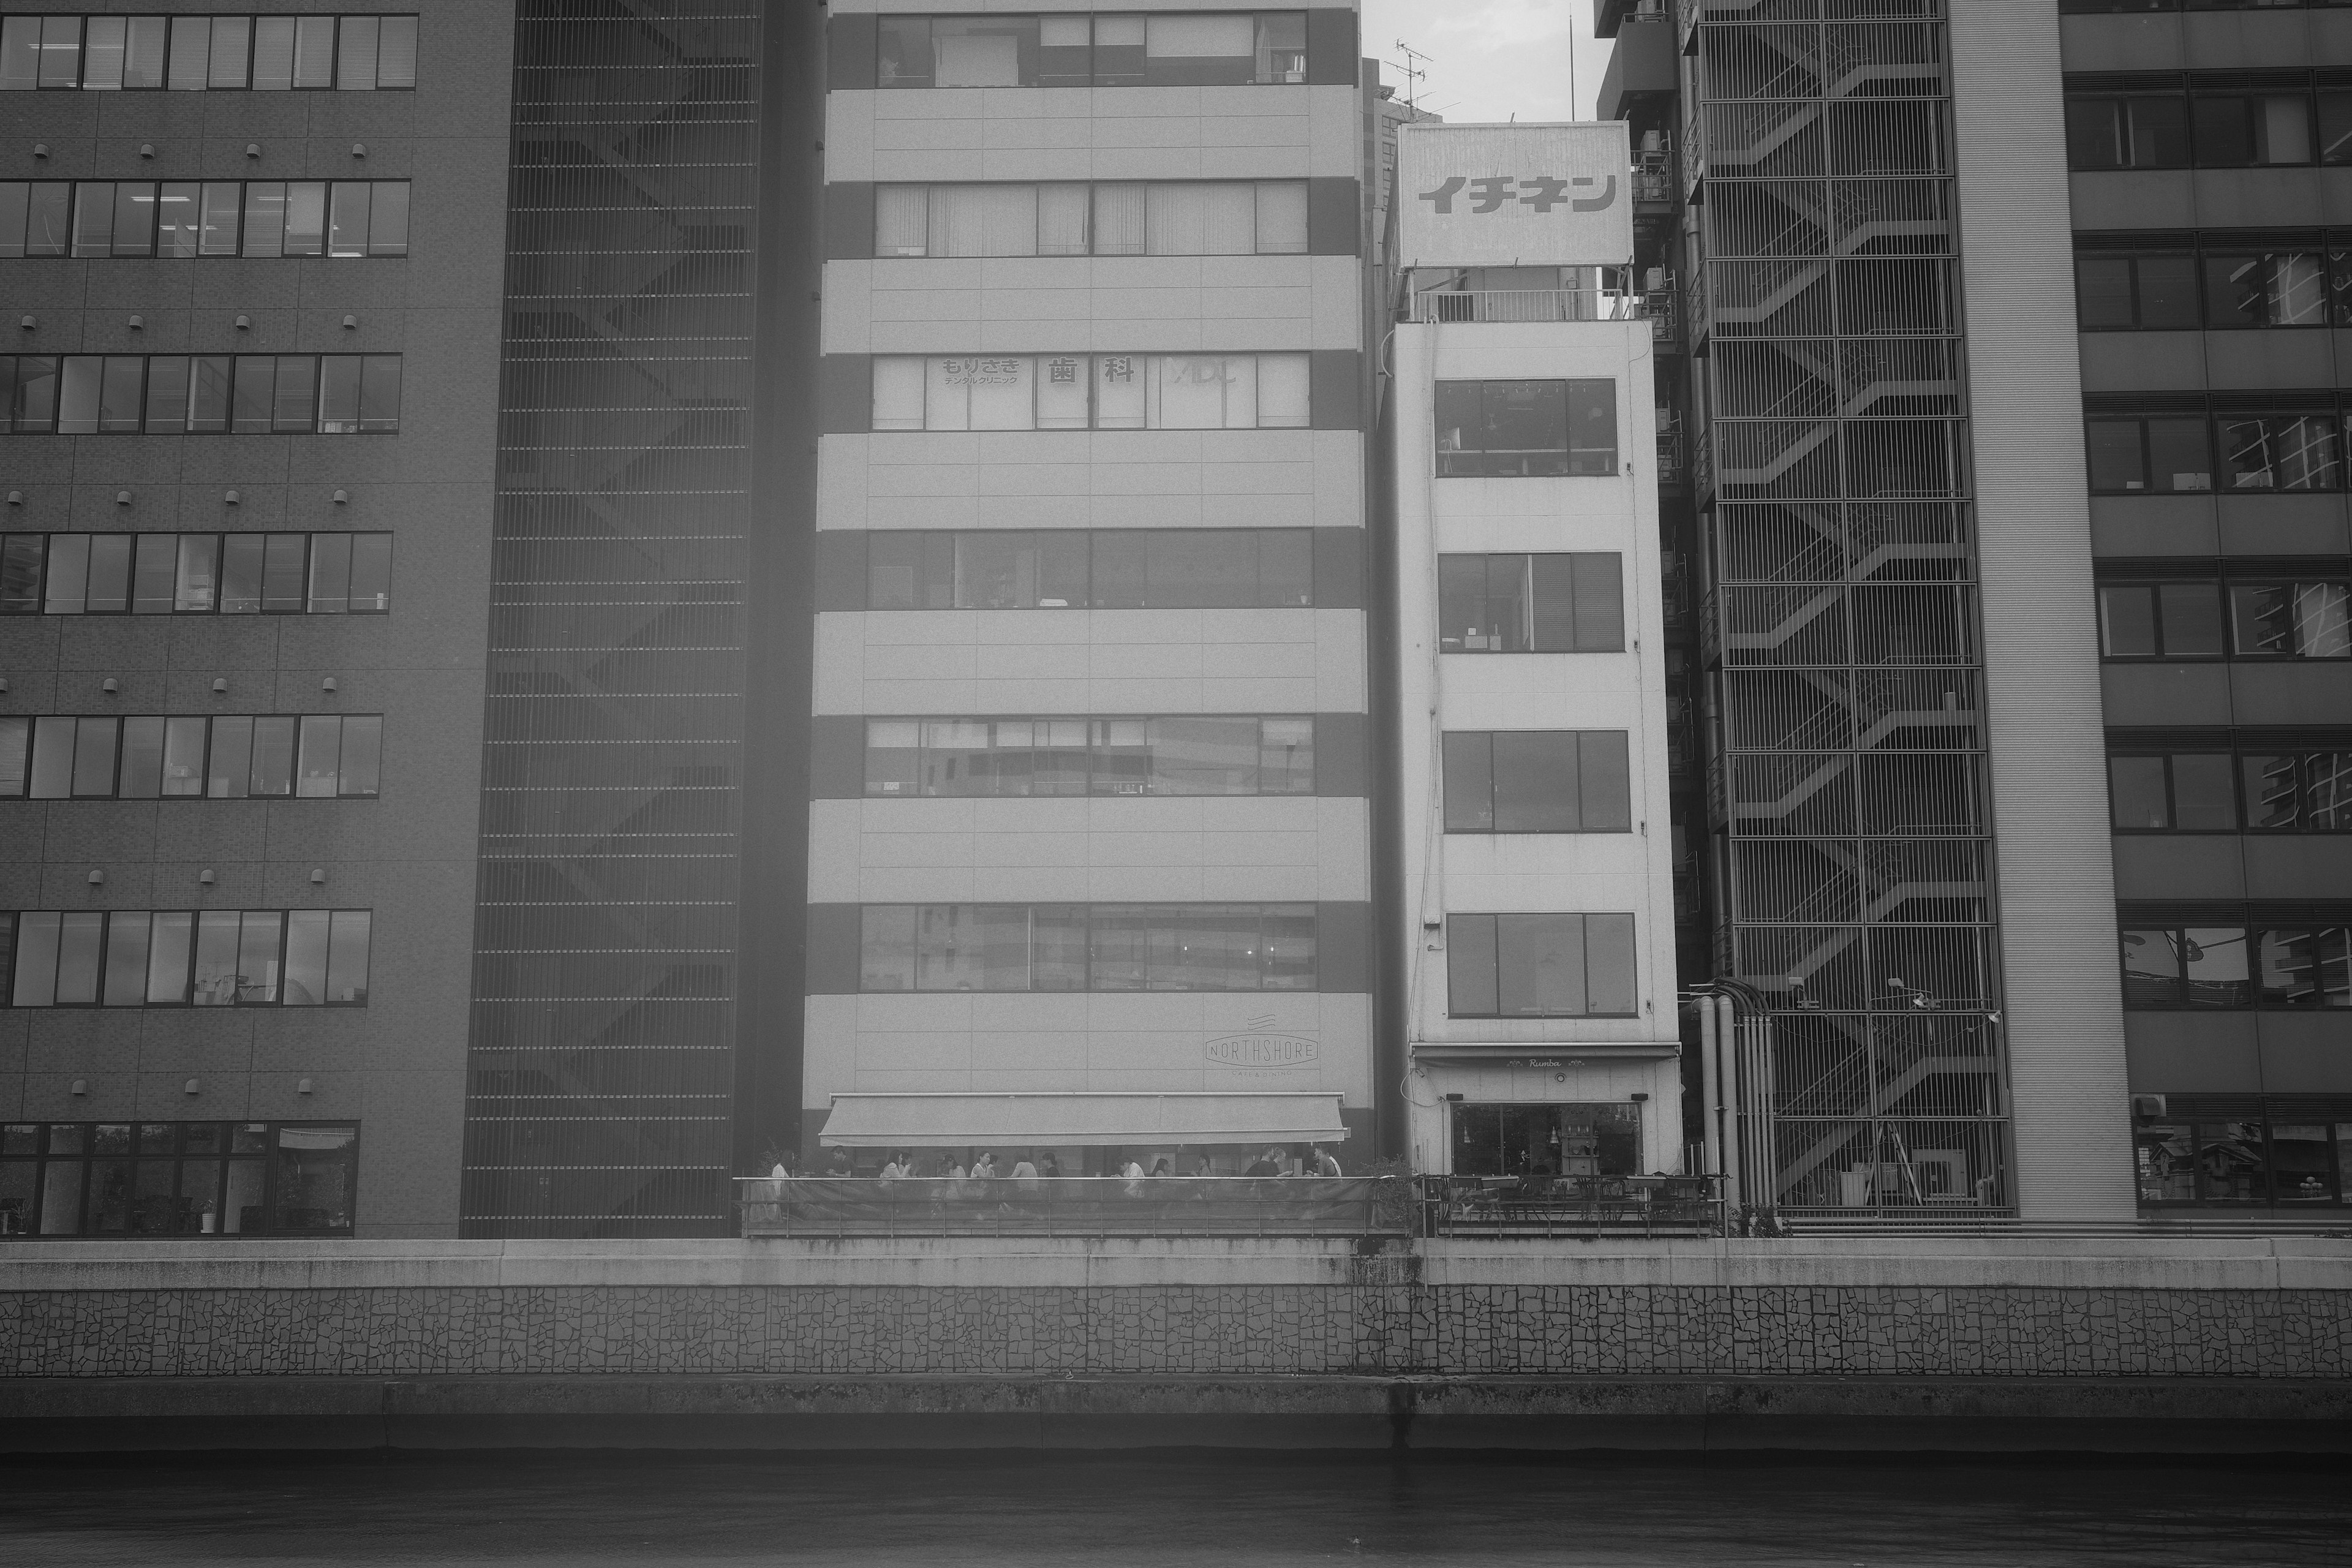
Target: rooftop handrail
{"type": "Point", "coordinates": [1525, 305]}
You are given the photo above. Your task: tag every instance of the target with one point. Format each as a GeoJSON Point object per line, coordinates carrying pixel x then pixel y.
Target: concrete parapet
{"type": "Point", "coordinates": [2166, 1263]}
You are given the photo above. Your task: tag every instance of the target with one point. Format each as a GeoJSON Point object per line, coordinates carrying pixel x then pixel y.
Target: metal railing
{"type": "Point", "coordinates": [1524, 1206]}
{"type": "Point", "coordinates": [1074, 1205]}
{"type": "Point", "coordinates": [1525, 305]}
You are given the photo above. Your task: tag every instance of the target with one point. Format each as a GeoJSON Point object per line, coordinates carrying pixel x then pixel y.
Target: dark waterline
{"type": "Point", "coordinates": [1226, 1511]}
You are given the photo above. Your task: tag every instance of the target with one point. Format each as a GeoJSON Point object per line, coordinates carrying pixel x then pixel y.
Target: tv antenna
{"type": "Point", "coordinates": [1414, 70]}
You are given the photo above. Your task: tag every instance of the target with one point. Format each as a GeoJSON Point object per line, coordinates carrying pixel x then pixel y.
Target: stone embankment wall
{"type": "Point", "coordinates": [2144, 1332]}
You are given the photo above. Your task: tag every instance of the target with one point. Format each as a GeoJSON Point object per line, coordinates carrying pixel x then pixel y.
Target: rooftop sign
{"type": "Point", "coordinates": [1515, 195]}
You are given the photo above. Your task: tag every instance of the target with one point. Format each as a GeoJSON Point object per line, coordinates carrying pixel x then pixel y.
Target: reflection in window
{"type": "Point", "coordinates": [1532, 603]}
{"type": "Point", "coordinates": [2186, 966]}
{"type": "Point", "coordinates": [1199, 568]}
{"type": "Point", "coordinates": [2292, 620]}
{"type": "Point", "coordinates": [1207, 754]}
{"type": "Point", "coordinates": [1088, 947]}
{"type": "Point", "coordinates": [1101, 391]}
{"type": "Point", "coordinates": [1526, 428]}
{"type": "Point", "coordinates": [2281, 452]}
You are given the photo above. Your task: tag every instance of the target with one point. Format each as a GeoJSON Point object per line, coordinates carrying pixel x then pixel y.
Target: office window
{"type": "Point", "coordinates": [183, 219]}
{"type": "Point", "coordinates": [182, 958]}
{"type": "Point", "coordinates": [2186, 966]}
{"type": "Point", "coordinates": [1205, 754]}
{"type": "Point", "coordinates": [2299, 964]}
{"type": "Point", "coordinates": [2302, 967]}
{"type": "Point", "coordinates": [2231, 131]}
{"type": "Point", "coordinates": [1537, 781]}
{"type": "Point", "coordinates": [2160, 620]}
{"type": "Point", "coordinates": [1525, 428]}
{"type": "Point", "coordinates": [194, 574]}
{"type": "Point", "coordinates": [1569, 603]}
{"type": "Point", "coordinates": [1088, 947]}
{"type": "Point", "coordinates": [2297, 791]}
{"type": "Point", "coordinates": [2127, 133]}
{"type": "Point", "coordinates": [1055, 569]}
{"type": "Point", "coordinates": [2164, 454]}
{"type": "Point", "coordinates": [2281, 1160]}
{"type": "Point", "coordinates": [285, 394]}
{"type": "Point", "coordinates": [2281, 452]}
{"type": "Point", "coordinates": [2291, 620]}
{"type": "Point", "coordinates": [2151, 292]}
{"type": "Point", "coordinates": [62, 1179]}
{"type": "Point", "coordinates": [1185, 49]}
{"type": "Point", "coordinates": [1104, 392]}
{"type": "Point", "coordinates": [2267, 289]}
{"type": "Point", "coordinates": [220, 756]}
{"type": "Point", "coordinates": [1264, 218]}
{"type": "Point", "coordinates": [1539, 966]}
{"type": "Point", "coordinates": [2186, 792]}
{"type": "Point", "coordinates": [196, 54]}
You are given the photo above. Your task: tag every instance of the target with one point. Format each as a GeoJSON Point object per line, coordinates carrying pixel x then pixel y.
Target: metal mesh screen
{"type": "Point", "coordinates": [1840, 630]}
{"type": "Point", "coordinates": [600, 1071]}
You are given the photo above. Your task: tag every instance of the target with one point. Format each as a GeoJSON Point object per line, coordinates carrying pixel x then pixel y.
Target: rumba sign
{"type": "Point", "coordinates": [1515, 195]}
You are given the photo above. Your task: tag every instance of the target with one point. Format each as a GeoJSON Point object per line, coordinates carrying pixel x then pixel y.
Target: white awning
{"type": "Point", "coordinates": [958, 1121]}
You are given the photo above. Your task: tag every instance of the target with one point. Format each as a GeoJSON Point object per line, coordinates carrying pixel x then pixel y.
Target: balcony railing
{"type": "Point", "coordinates": [1572, 1205]}
{"type": "Point", "coordinates": [1074, 1205]}
{"type": "Point", "coordinates": [1526, 305]}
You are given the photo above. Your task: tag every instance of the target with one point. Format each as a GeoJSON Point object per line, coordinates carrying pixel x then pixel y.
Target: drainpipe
{"type": "Point", "coordinates": [1710, 1089]}
{"type": "Point", "coordinates": [1726, 1039]}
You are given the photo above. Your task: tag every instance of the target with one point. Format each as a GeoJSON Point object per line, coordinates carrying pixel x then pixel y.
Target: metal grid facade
{"type": "Point", "coordinates": [1847, 791]}
{"type": "Point", "coordinates": [601, 1068]}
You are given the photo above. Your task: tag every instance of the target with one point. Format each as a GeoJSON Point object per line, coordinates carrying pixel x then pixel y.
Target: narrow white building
{"type": "Point", "coordinates": [1530, 670]}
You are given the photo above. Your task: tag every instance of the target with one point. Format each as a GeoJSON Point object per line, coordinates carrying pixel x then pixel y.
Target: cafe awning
{"type": "Point", "coordinates": [960, 1120]}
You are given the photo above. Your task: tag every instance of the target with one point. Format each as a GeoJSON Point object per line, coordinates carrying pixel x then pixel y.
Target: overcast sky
{"type": "Point", "coordinates": [1491, 59]}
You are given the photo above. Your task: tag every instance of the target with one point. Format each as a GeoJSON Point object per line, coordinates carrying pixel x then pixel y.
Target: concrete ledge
{"type": "Point", "coordinates": [2196, 1263]}
{"type": "Point", "coordinates": [2234, 1416]}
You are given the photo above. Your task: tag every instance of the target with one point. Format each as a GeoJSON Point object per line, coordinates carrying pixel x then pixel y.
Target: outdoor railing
{"type": "Point", "coordinates": [1525, 305]}
{"type": "Point", "coordinates": [1074, 1205]}
{"type": "Point", "coordinates": [1572, 1205]}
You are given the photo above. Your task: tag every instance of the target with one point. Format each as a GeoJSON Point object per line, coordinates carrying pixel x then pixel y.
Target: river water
{"type": "Point", "coordinates": [1123, 1511]}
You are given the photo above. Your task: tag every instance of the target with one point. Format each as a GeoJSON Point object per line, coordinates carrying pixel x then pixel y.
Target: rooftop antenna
{"type": "Point", "coordinates": [1572, 68]}
{"type": "Point", "coordinates": [1413, 73]}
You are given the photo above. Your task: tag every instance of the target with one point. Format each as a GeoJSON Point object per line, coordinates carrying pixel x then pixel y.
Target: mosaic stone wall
{"type": "Point", "coordinates": [1338, 1330]}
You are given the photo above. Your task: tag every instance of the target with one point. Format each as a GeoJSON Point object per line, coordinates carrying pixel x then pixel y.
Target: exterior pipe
{"type": "Point", "coordinates": [1726, 1040]}
{"type": "Point", "coordinates": [1710, 1090]}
